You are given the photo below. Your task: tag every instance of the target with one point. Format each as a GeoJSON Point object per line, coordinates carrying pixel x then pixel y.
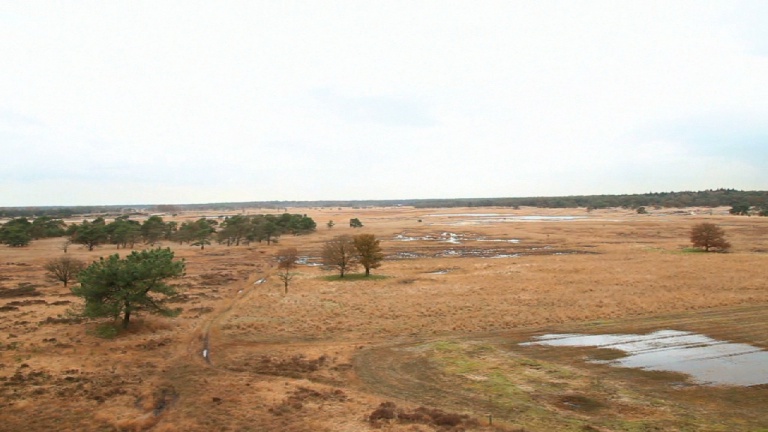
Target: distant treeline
{"type": "Point", "coordinates": [124, 232]}
{"type": "Point", "coordinates": [707, 198]}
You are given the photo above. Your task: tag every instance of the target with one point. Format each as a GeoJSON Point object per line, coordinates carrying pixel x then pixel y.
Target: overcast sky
{"type": "Point", "coordinates": [131, 102]}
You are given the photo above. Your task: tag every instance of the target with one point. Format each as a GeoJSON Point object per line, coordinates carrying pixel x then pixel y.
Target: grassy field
{"type": "Point", "coordinates": [438, 328]}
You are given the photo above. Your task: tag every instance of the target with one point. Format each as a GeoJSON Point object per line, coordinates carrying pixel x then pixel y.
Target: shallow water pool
{"type": "Point", "coordinates": [708, 361]}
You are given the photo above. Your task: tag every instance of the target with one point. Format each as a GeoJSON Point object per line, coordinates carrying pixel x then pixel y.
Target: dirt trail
{"type": "Point", "coordinates": [201, 345]}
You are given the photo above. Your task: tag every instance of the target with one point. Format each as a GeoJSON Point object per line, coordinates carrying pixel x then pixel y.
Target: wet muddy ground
{"type": "Point", "coordinates": [559, 381]}
{"type": "Point", "coordinates": [708, 361]}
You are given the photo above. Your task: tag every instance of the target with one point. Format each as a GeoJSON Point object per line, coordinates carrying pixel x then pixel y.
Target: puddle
{"type": "Point", "coordinates": [477, 253]}
{"type": "Point", "coordinates": [445, 237]}
{"type": "Point", "coordinates": [406, 255]}
{"type": "Point", "coordinates": [465, 252]}
{"type": "Point", "coordinates": [505, 216]}
{"type": "Point", "coordinates": [450, 237]}
{"type": "Point", "coordinates": [466, 215]}
{"type": "Point", "coordinates": [499, 240]}
{"type": "Point", "coordinates": [708, 361]}
{"type": "Point", "coordinates": [505, 256]}
{"type": "Point", "coordinates": [309, 261]}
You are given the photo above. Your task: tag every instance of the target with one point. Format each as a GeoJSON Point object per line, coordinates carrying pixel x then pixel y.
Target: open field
{"type": "Point", "coordinates": [441, 330]}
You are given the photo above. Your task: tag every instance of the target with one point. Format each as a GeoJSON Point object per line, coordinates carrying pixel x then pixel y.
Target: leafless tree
{"type": "Point", "coordinates": [64, 269]}
{"type": "Point", "coordinates": [340, 253]}
{"type": "Point", "coordinates": [286, 261]}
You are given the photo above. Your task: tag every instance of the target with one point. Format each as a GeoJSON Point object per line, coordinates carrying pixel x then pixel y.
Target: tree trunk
{"type": "Point", "coordinates": [127, 316]}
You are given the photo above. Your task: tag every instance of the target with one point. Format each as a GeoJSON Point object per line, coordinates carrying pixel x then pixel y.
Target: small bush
{"type": "Point", "coordinates": [24, 290]}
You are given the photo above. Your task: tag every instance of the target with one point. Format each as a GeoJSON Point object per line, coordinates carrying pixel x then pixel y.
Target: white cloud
{"type": "Point", "coordinates": [352, 100]}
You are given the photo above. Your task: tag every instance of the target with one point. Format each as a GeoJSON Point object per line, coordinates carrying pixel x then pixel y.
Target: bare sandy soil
{"type": "Point", "coordinates": [440, 331]}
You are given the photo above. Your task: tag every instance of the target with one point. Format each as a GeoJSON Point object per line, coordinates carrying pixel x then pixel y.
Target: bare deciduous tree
{"type": "Point", "coordinates": [64, 269]}
{"type": "Point", "coordinates": [709, 236]}
{"type": "Point", "coordinates": [286, 261]}
{"type": "Point", "coordinates": [340, 253]}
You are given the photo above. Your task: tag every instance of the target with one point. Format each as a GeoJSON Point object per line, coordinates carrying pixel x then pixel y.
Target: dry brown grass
{"type": "Point", "coordinates": [269, 349]}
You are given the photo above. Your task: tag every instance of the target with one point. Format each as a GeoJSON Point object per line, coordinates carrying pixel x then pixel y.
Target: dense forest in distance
{"type": "Point", "coordinates": [707, 198]}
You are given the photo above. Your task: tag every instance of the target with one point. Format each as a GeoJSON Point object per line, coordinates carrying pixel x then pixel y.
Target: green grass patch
{"type": "Point", "coordinates": [105, 330]}
{"type": "Point", "coordinates": [603, 354]}
{"type": "Point", "coordinates": [445, 346]}
{"type": "Point", "coordinates": [454, 358]}
{"type": "Point", "coordinates": [685, 250]}
{"type": "Point", "coordinates": [692, 250]}
{"type": "Point", "coordinates": [500, 386]}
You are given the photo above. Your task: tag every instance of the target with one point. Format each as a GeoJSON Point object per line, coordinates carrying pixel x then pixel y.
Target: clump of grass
{"type": "Point", "coordinates": [692, 250]}
{"type": "Point", "coordinates": [106, 330]}
{"type": "Point", "coordinates": [24, 290]}
{"type": "Point", "coordinates": [303, 396]}
{"type": "Point", "coordinates": [446, 346]}
{"type": "Point", "coordinates": [607, 354]}
{"type": "Point", "coordinates": [297, 366]}
{"type": "Point", "coordinates": [576, 402]}
{"type": "Point", "coordinates": [354, 277]}
{"type": "Point", "coordinates": [388, 411]}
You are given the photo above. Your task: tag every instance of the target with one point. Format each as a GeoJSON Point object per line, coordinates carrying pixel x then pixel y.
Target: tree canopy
{"type": "Point", "coordinates": [90, 233]}
{"type": "Point", "coordinates": [153, 230]}
{"type": "Point", "coordinates": [123, 232]}
{"type": "Point", "coordinates": [46, 226]}
{"type": "Point", "coordinates": [197, 233]}
{"type": "Point", "coordinates": [16, 232]}
{"type": "Point", "coordinates": [64, 269]}
{"type": "Point", "coordinates": [709, 236]}
{"type": "Point", "coordinates": [113, 286]}
{"type": "Point", "coordinates": [368, 251]}
{"type": "Point", "coordinates": [340, 253]}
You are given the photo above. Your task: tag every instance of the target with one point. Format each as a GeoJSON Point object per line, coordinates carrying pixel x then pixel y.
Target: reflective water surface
{"type": "Point", "coordinates": [489, 218]}
{"type": "Point", "coordinates": [706, 360]}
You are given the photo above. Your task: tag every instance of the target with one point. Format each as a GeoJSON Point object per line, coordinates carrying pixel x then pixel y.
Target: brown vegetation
{"type": "Point", "coordinates": [709, 236]}
{"type": "Point", "coordinates": [434, 338]}
{"type": "Point", "coordinates": [64, 269]}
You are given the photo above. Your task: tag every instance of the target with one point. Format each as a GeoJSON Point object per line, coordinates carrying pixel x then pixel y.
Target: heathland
{"type": "Point", "coordinates": [430, 341]}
